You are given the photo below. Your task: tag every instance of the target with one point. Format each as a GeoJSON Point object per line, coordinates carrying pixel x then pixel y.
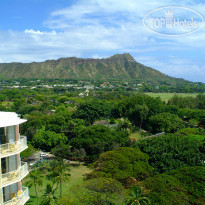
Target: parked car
{"type": "Point", "coordinates": [43, 155]}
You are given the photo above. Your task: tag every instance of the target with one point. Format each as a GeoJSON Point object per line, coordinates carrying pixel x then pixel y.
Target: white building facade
{"type": "Point", "coordinates": [12, 170]}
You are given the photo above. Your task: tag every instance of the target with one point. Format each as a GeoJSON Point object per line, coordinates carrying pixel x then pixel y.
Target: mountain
{"type": "Point", "coordinates": [119, 66]}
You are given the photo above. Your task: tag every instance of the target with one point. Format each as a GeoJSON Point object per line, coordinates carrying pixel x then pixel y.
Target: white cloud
{"type": "Point", "coordinates": [175, 67]}
{"type": "Point", "coordinates": [31, 31]}
{"type": "Point", "coordinates": [97, 28]}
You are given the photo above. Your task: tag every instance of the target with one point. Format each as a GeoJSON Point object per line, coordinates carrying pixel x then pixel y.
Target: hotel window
{"type": "Point", "coordinates": [10, 191]}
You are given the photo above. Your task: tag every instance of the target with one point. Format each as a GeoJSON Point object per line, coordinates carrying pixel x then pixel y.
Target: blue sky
{"type": "Point", "coordinates": [37, 30]}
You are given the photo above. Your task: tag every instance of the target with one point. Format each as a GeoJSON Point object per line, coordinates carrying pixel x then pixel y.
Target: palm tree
{"type": "Point", "coordinates": [136, 197]}
{"type": "Point", "coordinates": [36, 180]}
{"type": "Point", "coordinates": [49, 196]}
{"type": "Point", "coordinates": [60, 174]}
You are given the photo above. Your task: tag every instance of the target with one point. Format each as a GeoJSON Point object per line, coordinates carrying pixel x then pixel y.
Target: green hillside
{"type": "Point", "coordinates": [119, 66]}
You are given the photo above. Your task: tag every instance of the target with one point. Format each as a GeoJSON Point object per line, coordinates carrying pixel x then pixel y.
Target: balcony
{"type": "Point", "coordinates": [13, 147]}
{"type": "Point", "coordinates": [20, 198]}
{"type": "Point", "coordinates": [15, 176]}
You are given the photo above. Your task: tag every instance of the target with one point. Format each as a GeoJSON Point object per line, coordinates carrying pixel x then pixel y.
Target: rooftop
{"type": "Point", "coordinates": [9, 119]}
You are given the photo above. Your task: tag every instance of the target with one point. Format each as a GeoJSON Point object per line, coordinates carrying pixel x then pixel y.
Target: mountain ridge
{"type": "Point", "coordinates": [118, 66]}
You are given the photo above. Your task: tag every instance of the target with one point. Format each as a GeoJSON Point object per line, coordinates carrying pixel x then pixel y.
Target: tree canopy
{"type": "Point", "coordinates": [172, 151]}
{"type": "Point", "coordinates": [96, 139]}
{"type": "Point", "coordinates": [164, 122]}
{"type": "Point", "coordinates": [122, 163]}
{"type": "Point", "coordinates": [46, 140]}
{"type": "Point", "coordinates": [180, 186]}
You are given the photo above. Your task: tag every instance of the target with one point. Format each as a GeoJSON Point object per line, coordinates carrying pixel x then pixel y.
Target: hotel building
{"type": "Point", "coordinates": [12, 169]}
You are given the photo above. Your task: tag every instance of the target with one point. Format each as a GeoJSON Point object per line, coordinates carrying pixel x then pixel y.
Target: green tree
{"type": "Point", "coordinates": [49, 195]}
{"type": "Point", "coordinates": [58, 121]}
{"type": "Point", "coordinates": [46, 140]}
{"type": "Point", "coordinates": [61, 151]}
{"type": "Point", "coordinates": [107, 189]}
{"type": "Point", "coordinates": [19, 102]}
{"type": "Point", "coordinates": [172, 151]}
{"type": "Point", "coordinates": [60, 173]}
{"type": "Point", "coordinates": [96, 191]}
{"type": "Point", "coordinates": [35, 122]}
{"type": "Point", "coordinates": [122, 163]}
{"type": "Point", "coordinates": [138, 114]}
{"type": "Point", "coordinates": [79, 154]}
{"type": "Point", "coordinates": [62, 99]}
{"type": "Point", "coordinates": [183, 102]}
{"type": "Point", "coordinates": [164, 189]}
{"type": "Point", "coordinates": [191, 131]}
{"type": "Point", "coordinates": [200, 99]}
{"type": "Point", "coordinates": [93, 110]}
{"type": "Point", "coordinates": [164, 122]}
{"type": "Point", "coordinates": [72, 127]}
{"type": "Point", "coordinates": [193, 179]}
{"type": "Point", "coordinates": [28, 152]}
{"type": "Point", "coordinates": [35, 177]}
{"type": "Point", "coordinates": [136, 197]}
{"type": "Point", "coordinates": [181, 186]}
{"type": "Point", "coordinates": [96, 139]}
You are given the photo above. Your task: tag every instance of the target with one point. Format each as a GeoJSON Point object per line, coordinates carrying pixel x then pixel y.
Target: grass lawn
{"type": "Point", "coordinates": [135, 135]}
{"type": "Point", "coordinates": [77, 176]}
{"type": "Point", "coordinates": [167, 96]}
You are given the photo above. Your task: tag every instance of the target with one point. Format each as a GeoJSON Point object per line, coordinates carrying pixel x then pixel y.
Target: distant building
{"type": "Point", "coordinates": [105, 84]}
{"type": "Point", "coordinates": [86, 93]}
{"type": "Point", "coordinates": [12, 170]}
{"type": "Point", "coordinates": [87, 87]}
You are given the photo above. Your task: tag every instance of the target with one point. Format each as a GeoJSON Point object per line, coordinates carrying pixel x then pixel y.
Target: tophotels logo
{"type": "Point", "coordinates": [173, 20]}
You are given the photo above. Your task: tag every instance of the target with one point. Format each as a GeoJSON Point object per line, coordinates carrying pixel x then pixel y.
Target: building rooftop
{"type": "Point", "coordinates": [9, 119]}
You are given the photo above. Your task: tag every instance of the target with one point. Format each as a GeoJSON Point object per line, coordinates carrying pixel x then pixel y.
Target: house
{"type": "Point", "coordinates": [12, 170]}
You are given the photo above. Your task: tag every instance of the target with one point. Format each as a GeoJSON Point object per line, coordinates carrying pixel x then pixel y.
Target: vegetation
{"type": "Point", "coordinates": [189, 183]}
{"type": "Point", "coordinates": [136, 197]}
{"type": "Point", "coordinates": [76, 68]}
{"type": "Point", "coordinates": [167, 96]}
{"type": "Point", "coordinates": [101, 191]}
{"type": "Point", "coordinates": [122, 163]}
{"type": "Point", "coordinates": [164, 122]}
{"type": "Point", "coordinates": [60, 173]}
{"type": "Point", "coordinates": [172, 151]}
{"type": "Point", "coordinates": [92, 111]}
{"type": "Point", "coordinates": [28, 152]}
{"type": "Point", "coordinates": [36, 181]}
{"type": "Point", "coordinates": [49, 196]}
{"type": "Point", "coordinates": [127, 138]}
{"type": "Point", "coordinates": [97, 139]}
{"type": "Point", "coordinates": [77, 174]}
{"type": "Point", "coordinates": [48, 139]}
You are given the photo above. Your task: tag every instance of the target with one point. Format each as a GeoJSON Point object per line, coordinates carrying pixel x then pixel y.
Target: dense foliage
{"type": "Point", "coordinates": [97, 139]}
{"type": "Point", "coordinates": [110, 125]}
{"type": "Point", "coordinates": [95, 191]}
{"type": "Point", "coordinates": [46, 140]}
{"type": "Point", "coordinates": [172, 151]}
{"type": "Point", "coordinates": [122, 163]}
{"type": "Point", "coordinates": [91, 111]}
{"type": "Point", "coordinates": [180, 186]}
{"type": "Point", "coordinates": [164, 122]}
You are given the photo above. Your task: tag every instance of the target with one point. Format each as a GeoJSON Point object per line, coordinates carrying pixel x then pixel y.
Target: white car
{"type": "Point", "coordinates": [43, 155]}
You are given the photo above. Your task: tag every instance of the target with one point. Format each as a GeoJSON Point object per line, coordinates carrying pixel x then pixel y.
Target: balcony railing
{"type": "Point", "coordinates": [13, 147]}
{"type": "Point", "coordinates": [14, 176]}
{"type": "Point", "coordinates": [19, 198]}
